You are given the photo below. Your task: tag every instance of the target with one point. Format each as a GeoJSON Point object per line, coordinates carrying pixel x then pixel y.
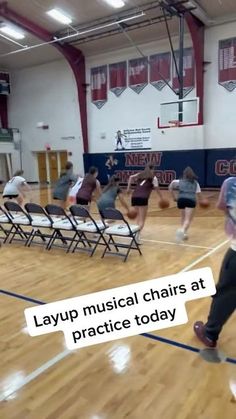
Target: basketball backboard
{"type": "Point", "coordinates": [179, 113]}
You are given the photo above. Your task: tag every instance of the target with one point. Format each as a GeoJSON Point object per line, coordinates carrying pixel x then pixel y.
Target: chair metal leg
{"type": "Point", "coordinates": [51, 240]}
{"type": "Point", "coordinates": [28, 241]}
{"type": "Point", "coordinates": [71, 243]}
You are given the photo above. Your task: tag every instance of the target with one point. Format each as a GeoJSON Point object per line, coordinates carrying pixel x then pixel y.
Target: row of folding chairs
{"type": "Point", "coordinates": [75, 230]}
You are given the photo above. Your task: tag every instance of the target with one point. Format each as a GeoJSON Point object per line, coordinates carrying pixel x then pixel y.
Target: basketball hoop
{"type": "Point", "coordinates": [174, 124]}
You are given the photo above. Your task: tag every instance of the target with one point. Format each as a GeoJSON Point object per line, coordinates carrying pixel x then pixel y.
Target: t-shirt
{"type": "Point", "coordinates": [63, 185]}
{"type": "Point", "coordinates": [227, 203]}
{"type": "Point", "coordinates": [75, 188]}
{"type": "Point", "coordinates": [108, 198]}
{"type": "Point", "coordinates": [186, 188]}
{"type": "Point", "coordinates": [145, 187]}
{"type": "Point", "coordinates": [13, 186]}
{"type": "Point", "coordinates": [87, 188]}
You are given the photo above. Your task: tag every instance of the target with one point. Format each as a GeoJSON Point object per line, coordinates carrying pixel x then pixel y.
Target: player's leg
{"type": "Point", "coordinates": [59, 202]}
{"type": "Point", "coordinates": [180, 231]}
{"type": "Point", "coordinates": [223, 303]}
{"type": "Point", "coordinates": [20, 199]}
{"type": "Point", "coordinates": [142, 215]}
{"type": "Point", "coordinates": [189, 214]}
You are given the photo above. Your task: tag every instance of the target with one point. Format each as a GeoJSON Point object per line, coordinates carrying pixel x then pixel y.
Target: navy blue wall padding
{"type": "Point", "coordinates": [212, 166]}
{"type": "Point", "coordinates": [220, 164]}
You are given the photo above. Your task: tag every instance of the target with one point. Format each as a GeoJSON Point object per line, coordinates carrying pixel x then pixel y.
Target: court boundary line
{"type": "Point", "coordinates": [177, 244]}
{"type": "Point", "coordinates": [35, 373]}
{"type": "Point", "coordinates": [62, 355]}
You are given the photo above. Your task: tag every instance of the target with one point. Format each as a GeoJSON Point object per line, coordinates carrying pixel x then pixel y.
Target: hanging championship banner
{"type": "Point", "coordinates": [99, 86]}
{"type": "Point", "coordinates": [118, 77]}
{"type": "Point", "coordinates": [227, 64]}
{"type": "Point", "coordinates": [138, 74]}
{"type": "Point", "coordinates": [159, 69]}
{"type": "Point", "coordinates": [189, 73]}
{"type": "Point", "coordinates": [4, 83]}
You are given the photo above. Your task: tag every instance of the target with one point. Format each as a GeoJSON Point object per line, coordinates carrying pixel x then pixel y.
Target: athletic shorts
{"type": "Point", "coordinates": [10, 196]}
{"type": "Point", "coordinates": [183, 203]}
{"type": "Point", "coordinates": [58, 199]}
{"type": "Point", "coordinates": [81, 201]}
{"type": "Point", "coordinates": [139, 202]}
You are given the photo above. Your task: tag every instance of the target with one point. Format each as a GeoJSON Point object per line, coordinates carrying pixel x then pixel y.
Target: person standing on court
{"type": "Point", "coordinates": [224, 301]}
{"type": "Point", "coordinates": [188, 190]}
{"type": "Point", "coordinates": [16, 187]}
{"type": "Point", "coordinates": [109, 194]}
{"type": "Point", "coordinates": [66, 180]}
{"type": "Point", "coordinates": [89, 185]}
{"type": "Point", "coordinates": [146, 182]}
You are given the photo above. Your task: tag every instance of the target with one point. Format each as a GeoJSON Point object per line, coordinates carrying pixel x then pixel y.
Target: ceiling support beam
{"type": "Point", "coordinates": [196, 29]}
{"type": "Point", "coordinates": [74, 57]}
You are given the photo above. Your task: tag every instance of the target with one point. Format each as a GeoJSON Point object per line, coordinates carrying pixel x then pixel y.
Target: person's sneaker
{"type": "Point", "coordinates": [179, 235]}
{"type": "Point", "coordinates": [185, 236]}
{"type": "Point", "coordinates": [199, 330]}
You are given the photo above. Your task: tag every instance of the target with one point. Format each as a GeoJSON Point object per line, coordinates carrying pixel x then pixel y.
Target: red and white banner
{"type": "Point", "coordinates": [138, 74]}
{"type": "Point", "coordinates": [189, 73]}
{"type": "Point", "coordinates": [118, 77]}
{"type": "Point", "coordinates": [227, 63]}
{"type": "Point", "coordinates": [99, 86]}
{"type": "Point", "coordinates": [4, 83]}
{"type": "Point", "coordinates": [159, 69]}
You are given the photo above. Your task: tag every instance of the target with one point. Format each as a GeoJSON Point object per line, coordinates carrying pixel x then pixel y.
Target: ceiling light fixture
{"type": "Point", "coordinates": [78, 33]}
{"type": "Point", "coordinates": [59, 16]}
{"type": "Point", "coordinates": [12, 32]}
{"type": "Point", "coordinates": [117, 4]}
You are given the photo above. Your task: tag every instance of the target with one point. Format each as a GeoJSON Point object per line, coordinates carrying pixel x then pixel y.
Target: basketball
{"type": "Point", "coordinates": [132, 213]}
{"type": "Point", "coordinates": [164, 203]}
{"type": "Point", "coordinates": [204, 203]}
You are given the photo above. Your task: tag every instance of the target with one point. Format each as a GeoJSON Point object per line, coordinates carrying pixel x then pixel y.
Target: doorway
{"type": "Point", "coordinates": [5, 167]}
{"type": "Point", "coordinates": [50, 165]}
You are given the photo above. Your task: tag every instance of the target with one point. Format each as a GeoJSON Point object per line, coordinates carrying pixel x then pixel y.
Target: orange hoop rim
{"type": "Point", "coordinates": [174, 123]}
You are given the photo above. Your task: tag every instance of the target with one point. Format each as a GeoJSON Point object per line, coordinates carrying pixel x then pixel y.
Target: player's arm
{"type": "Point", "coordinates": [131, 180]}
{"type": "Point", "coordinates": [98, 189]}
{"type": "Point", "coordinates": [221, 203]}
{"type": "Point", "coordinates": [24, 187]}
{"type": "Point", "coordinates": [199, 193]}
{"type": "Point", "coordinates": [172, 189]}
{"type": "Point", "coordinates": [73, 179]}
{"type": "Point", "coordinates": [156, 187]}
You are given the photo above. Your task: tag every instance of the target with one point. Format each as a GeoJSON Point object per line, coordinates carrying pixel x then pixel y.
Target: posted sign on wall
{"type": "Point", "coordinates": [133, 139]}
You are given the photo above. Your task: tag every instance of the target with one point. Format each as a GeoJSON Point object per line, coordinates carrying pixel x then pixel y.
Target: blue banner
{"type": "Point", "coordinates": [220, 164]}
{"type": "Point", "coordinates": [169, 165]}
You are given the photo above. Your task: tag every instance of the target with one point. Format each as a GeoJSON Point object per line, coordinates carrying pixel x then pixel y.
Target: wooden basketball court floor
{"type": "Point", "coordinates": [137, 377]}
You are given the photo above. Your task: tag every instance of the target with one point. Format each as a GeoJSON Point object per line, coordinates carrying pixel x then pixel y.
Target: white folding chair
{"type": "Point", "coordinates": [20, 221]}
{"type": "Point", "coordinates": [39, 220]}
{"type": "Point", "coordinates": [61, 222]}
{"type": "Point", "coordinates": [121, 230]}
{"type": "Point", "coordinates": [90, 232]}
{"type": "Point", "coordinates": [5, 224]}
